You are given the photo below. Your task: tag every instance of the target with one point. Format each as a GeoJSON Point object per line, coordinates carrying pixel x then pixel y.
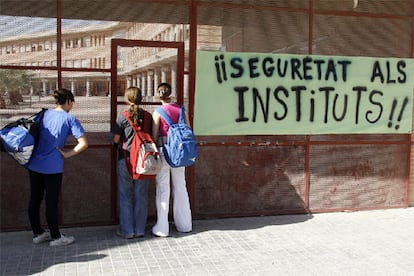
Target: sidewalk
{"type": "Point", "coordinates": [379, 242]}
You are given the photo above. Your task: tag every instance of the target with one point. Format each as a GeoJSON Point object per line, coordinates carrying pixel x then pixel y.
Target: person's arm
{"type": "Point", "coordinates": [81, 146]}
{"type": "Point", "coordinates": [156, 117]}
{"type": "Point", "coordinates": [187, 120]}
{"type": "Point", "coordinates": [117, 132]}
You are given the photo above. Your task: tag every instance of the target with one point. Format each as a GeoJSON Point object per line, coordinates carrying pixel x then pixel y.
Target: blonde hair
{"type": "Point", "coordinates": [133, 97]}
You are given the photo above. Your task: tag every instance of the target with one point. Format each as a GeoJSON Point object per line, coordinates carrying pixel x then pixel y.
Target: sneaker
{"type": "Point", "coordinates": [159, 234]}
{"type": "Point", "coordinates": [45, 236]}
{"type": "Point", "coordinates": [125, 236]}
{"type": "Point", "coordinates": [63, 240]}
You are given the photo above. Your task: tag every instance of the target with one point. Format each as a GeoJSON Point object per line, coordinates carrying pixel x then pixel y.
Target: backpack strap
{"type": "Point", "coordinates": [135, 128]}
{"type": "Point", "coordinates": [138, 132]}
{"type": "Point", "coordinates": [167, 118]}
{"type": "Point", "coordinates": [181, 120]}
{"type": "Point", "coordinates": [147, 122]}
{"type": "Point", "coordinates": [39, 117]}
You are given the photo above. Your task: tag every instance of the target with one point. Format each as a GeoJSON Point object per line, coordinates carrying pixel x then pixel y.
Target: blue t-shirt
{"type": "Point", "coordinates": [57, 126]}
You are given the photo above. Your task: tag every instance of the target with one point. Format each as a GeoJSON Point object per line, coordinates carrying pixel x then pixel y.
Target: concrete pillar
{"type": "Point", "coordinates": [150, 84]}
{"type": "Point", "coordinates": [128, 81]}
{"type": "Point", "coordinates": [143, 83]}
{"type": "Point", "coordinates": [156, 80]}
{"type": "Point", "coordinates": [88, 88]}
{"type": "Point", "coordinates": [164, 71]}
{"type": "Point", "coordinates": [72, 87]}
{"type": "Point", "coordinates": [44, 87]}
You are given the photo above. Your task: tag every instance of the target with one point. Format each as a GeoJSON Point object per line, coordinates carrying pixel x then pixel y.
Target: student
{"type": "Point", "coordinates": [181, 203]}
{"type": "Point", "coordinates": [132, 194]}
{"type": "Point", "coordinates": [46, 166]}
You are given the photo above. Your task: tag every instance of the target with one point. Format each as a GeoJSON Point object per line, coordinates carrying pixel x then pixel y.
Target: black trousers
{"type": "Point", "coordinates": [41, 184]}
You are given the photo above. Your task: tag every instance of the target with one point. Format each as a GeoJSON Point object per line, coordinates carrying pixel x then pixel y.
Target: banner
{"type": "Point", "coordinates": [266, 94]}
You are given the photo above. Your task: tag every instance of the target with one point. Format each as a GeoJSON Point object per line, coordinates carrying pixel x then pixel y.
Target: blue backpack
{"type": "Point", "coordinates": [20, 138]}
{"type": "Point", "coordinates": [181, 147]}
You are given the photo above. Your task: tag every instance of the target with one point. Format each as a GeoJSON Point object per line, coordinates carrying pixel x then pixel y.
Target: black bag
{"type": "Point", "coordinates": [20, 138]}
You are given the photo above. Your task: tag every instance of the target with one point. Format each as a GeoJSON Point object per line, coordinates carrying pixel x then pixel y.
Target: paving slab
{"type": "Point", "coordinates": [378, 242]}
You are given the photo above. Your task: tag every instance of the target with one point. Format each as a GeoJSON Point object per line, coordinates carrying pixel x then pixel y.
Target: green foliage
{"type": "Point", "coordinates": [14, 79]}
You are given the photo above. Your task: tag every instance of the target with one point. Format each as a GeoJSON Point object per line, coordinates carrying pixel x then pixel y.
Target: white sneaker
{"type": "Point", "coordinates": [63, 240]}
{"type": "Point", "coordinates": [45, 236]}
{"type": "Point", "coordinates": [159, 234]}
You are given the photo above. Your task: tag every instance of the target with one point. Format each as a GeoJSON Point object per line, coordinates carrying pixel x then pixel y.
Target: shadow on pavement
{"type": "Point", "coordinates": [242, 223]}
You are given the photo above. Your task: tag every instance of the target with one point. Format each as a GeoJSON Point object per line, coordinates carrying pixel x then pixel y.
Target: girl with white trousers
{"type": "Point", "coordinates": [181, 202]}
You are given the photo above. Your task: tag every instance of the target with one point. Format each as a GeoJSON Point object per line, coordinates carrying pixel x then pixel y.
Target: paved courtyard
{"type": "Point", "coordinates": [379, 242]}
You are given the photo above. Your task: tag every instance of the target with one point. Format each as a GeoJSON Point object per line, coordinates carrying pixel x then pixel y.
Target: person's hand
{"type": "Point", "coordinates": [80, 147]}
{"type": "Point", "coordinates": [65, 154]}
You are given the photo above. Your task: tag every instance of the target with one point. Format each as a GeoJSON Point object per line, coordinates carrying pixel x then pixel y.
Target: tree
{"type": "Point", "coordinates": [12, 80]}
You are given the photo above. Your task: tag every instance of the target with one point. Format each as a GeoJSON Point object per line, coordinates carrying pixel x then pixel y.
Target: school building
{"type": "Point", "coordinates": [97, 49]}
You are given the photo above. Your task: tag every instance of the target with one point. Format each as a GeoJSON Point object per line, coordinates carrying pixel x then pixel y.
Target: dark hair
{"type": "Point", "coordinates": [62, 96]}
{"type": "Point", "coordinates": [164, 91]}
{"type": "Point", "coordinates": [133, 97]}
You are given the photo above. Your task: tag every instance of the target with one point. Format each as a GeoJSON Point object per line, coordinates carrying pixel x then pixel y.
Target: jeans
{"type": "Point", "coordinates": [39, 184]}
{"type": "Point", "coordinates": [132, 202]}
{"type": "Point", "coordinates": [181, 201]}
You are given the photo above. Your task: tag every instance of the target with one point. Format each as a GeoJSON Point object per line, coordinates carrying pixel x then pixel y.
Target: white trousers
{"type": "Point", "coordinates": [181, 202]}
